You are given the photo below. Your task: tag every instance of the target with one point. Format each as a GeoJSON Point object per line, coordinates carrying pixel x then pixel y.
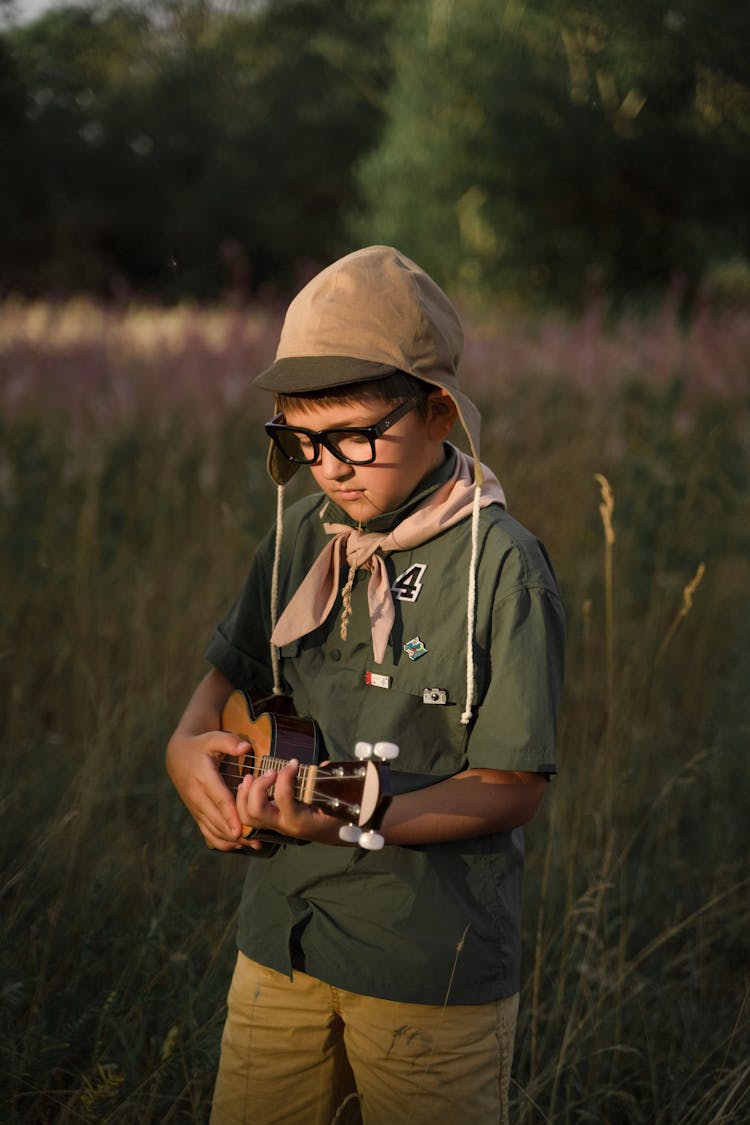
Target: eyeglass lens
{"type": "Point", "coordinates": [358, 448]}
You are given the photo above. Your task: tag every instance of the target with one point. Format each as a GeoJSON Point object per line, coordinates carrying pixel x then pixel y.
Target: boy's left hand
{"type": "Point", "coordinates": [282, 812]}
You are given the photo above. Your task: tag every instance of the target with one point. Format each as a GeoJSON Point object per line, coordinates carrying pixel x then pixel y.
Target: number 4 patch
{"type": "Point", "coordinates": [408, 585]}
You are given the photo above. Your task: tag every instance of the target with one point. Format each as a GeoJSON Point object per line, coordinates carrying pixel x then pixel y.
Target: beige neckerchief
{"type": "Point", "coordinates": [313, 600]}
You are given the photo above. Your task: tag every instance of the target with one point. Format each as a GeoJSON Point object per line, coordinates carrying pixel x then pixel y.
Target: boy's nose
{"type": "Point", "coordinates": [333, 469]}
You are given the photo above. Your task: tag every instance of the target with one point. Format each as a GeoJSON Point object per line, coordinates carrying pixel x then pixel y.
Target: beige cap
{"type": "Point", "coordinates": [369, 314]}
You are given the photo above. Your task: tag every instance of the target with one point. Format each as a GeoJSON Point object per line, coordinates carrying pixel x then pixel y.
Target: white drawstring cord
{"type": "Point", "coordinates": [275, 663]}
{"type": "Point", "coordinates": [471, 606]}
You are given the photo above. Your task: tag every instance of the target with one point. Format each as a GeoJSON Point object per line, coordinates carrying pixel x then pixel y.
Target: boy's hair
{"type": "Point", "coordinates": [394, 388]}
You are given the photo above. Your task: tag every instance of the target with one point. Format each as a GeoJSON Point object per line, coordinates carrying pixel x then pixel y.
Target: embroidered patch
{"type": "Point", "coordinates": [374, 679]}
{"type": "Point", "coordinates": [415, 648]}
{"type": "Point", "coordinates": [407, 587]}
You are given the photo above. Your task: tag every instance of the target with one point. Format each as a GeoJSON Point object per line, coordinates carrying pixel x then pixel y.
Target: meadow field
{"type": "Point", "coordinates": [133, 491]}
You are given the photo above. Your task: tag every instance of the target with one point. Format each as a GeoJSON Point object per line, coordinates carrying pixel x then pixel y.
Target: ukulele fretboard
{"type": "Point", "coordinates": [304, 782]}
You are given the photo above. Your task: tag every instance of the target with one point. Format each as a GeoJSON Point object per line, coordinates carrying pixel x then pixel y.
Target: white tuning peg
{"type": "Point", "coordinates": [363, 750]}
{"type": "Point", "coordinates": [371, 841]}
{"type": "Point", "coordinates": [386, 751]}
{"type": "Point", "coordinates": [350, 833]}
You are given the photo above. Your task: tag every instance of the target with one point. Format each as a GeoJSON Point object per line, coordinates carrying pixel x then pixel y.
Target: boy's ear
{"type": "Point", "coordinates": [442, 414]}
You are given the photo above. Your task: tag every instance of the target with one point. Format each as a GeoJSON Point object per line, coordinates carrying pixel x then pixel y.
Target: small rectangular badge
{"type": "Point", "coordinates": [415, 648]}
{"type": "Point", "coordinates": [374, 679]}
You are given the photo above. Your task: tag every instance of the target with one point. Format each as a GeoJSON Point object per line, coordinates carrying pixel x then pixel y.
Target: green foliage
{"type": "Point", "coordinates": [182, 148]}
{"type": "Point", "coordinates": [540, 150]}
{"type": "Point", "coordinates": [547, 149]}
{"type": "Point", "coordinates": [133, 490]}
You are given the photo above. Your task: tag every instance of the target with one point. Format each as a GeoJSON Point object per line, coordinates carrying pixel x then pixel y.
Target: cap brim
{"type": "Point", "coordinates": [299, 374]}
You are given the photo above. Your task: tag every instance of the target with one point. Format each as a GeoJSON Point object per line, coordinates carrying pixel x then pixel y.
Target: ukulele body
{"type": "Point", "coordinates": [273, 731]}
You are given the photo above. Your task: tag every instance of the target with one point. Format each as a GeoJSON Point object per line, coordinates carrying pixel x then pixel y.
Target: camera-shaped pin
{"type": "Point", "coordinates": [434, 695]}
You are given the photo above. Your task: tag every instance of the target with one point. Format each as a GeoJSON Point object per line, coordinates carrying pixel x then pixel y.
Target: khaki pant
{"type": "Point", "coordinates": [303, 1053]}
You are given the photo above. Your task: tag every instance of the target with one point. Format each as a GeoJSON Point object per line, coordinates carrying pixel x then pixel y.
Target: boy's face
{"type": "Point", "coordinates": [404, 455]}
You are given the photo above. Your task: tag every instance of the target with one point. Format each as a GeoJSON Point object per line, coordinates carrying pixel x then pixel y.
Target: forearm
{"type": "Point", "coordinates": [473, 803]}
{"type": "Point", "coordinates": [203, 712]}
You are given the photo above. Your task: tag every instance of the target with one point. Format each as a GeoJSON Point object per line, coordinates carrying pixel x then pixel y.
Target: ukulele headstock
{"type": "Point", "coordinates": [367, 837]}
{"type": "Point", "coordinates": [355, 792]}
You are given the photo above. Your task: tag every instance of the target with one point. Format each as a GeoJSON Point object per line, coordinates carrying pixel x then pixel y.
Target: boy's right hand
{"type": "Point", "coordinates": [193, 765]}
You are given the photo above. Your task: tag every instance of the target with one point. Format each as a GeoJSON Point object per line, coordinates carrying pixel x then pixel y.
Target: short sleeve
{"type": "Point", "coordinates": [516, 722]}
{"type": "Point", "coordinates": [240, 645]}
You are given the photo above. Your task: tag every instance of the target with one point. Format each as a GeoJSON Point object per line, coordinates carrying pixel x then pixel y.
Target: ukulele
{"type": "Point", "coordinates": [357, 793]}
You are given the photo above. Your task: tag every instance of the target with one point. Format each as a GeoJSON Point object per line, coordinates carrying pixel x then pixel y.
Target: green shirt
{"type": "Point", "coordinates": [389, 923]}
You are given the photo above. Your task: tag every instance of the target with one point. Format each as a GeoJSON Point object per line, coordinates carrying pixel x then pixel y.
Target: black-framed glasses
{"type": "Point", "coordinates": [355, 445]}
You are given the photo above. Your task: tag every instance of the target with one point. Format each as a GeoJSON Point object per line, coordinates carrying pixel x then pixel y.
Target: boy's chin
{"type": "Point", "coordinates": [354, 502]}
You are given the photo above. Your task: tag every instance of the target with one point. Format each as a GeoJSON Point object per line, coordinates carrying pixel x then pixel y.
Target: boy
{"type": "Point", "coordinates": [400, 603]}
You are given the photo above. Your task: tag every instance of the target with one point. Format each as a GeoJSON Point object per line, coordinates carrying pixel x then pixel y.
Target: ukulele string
{"type": "Point", "coordinates": [300, 781]}
{"type": "Point", "coordinates": [279, 763]}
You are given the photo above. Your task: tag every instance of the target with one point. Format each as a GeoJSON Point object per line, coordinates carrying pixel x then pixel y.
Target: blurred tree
{"type": "Point", "coordinates": [544, 149]}
{"type": "Point", "coordinates": [67, 156]}
{"type": "Point", "coordinates": [194, 146]}
{"type": "Point", "coordinates": [12, 117]}
{"type": "Point", "coordinates": [185, 146]}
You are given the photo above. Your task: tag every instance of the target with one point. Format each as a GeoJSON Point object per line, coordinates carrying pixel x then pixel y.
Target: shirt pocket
{"type": "Point", "coordinates": [428, 698]}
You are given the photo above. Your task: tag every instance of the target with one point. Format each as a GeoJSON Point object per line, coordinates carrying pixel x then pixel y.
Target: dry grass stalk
{"type": "Point", "coordinates": [684, 610]}
{"type": "Point", "coordinates": [606, 508]}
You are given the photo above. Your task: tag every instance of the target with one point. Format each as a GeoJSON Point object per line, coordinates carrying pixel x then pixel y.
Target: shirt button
{"type": "Point", "coordinates": [335, 654]}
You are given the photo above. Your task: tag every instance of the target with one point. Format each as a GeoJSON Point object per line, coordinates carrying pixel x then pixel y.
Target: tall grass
{"type": "Point", "coordinates": [133, 492]}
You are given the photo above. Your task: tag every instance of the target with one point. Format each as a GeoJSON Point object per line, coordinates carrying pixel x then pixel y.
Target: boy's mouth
{"type": "Point", "coordinates": [349, 494]}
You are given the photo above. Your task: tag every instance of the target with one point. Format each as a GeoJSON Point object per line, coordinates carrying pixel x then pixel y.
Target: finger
{"type": "Point", "coordinates": [241, 798]}
{"type": "Point", "coordinates": [259, 793]}
{"type": "Point", "coordinates": [253, 801]}
{"type": "Point", "coordinates": [220, 744]}
{"type": "Point", "coordinates": [215, 845]}
{"type": "Point", "coordinates": [236, 746]}
{"type": "Point", "coordinates": [215, 840]}
{"type": "Point", "coordinates": [214, 809]}
{"type": "Point", "coordinates": [226, 818]}
{"type": "Point", "coordinates": [284, 791]}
